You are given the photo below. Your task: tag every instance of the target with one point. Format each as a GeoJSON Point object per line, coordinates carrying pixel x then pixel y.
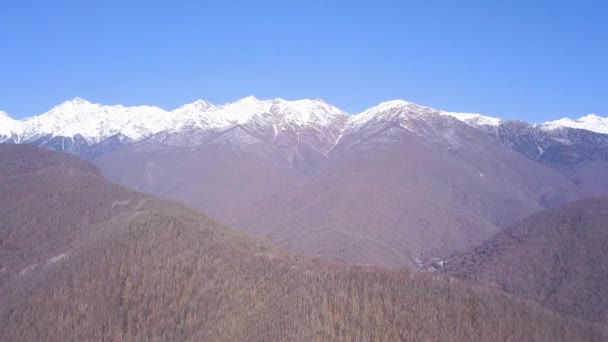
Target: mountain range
{"type": "Point", "coordinates": [390, 186]}
{"type": "Point", "coordinates": [94, 123]}
{"type": "Point", "coordinates": [402, 222]}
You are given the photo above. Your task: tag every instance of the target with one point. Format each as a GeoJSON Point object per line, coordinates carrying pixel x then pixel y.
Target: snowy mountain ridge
{"type": "Point", "coordinates": [95, 122]}
{"type": "Point", "coordinates": [591, 122]}
{"type": "Point", "coordinates": [8, 126]}
{"type": "Point", "coordinates": [402, 109]}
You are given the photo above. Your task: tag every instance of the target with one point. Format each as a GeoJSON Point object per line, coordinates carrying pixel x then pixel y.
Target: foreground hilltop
{"type": "Point", "coordinates": [556, 257]}
{"type": "Point", "coordinates": [84, 259]}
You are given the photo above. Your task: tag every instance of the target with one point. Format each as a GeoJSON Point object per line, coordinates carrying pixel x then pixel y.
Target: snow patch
{"type": "Point", "coordinates": [122, 203]}
{"type": "Point", "coordinates": [540, 150]}
{"type": "Point", "coordinates": [55, 259]}
{"type": "Point", "coordinates": [475, 119]}
{"type": "Point", "coordinates": [8, 127]}
{"type": "Point", "coordinates": [28, 269]}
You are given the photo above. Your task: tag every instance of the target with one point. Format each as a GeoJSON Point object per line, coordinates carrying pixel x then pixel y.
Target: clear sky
{"type": "Point", "coordinates": [530, 60]}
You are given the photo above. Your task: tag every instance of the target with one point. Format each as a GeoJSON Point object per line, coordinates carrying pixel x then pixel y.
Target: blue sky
{"type": "Point", "coordinates": [529, 60]}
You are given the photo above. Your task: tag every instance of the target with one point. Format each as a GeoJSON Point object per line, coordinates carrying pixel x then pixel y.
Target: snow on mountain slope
{"type": "Point", "coordinates": [475, 119]}
{"type": "Point", "coordinates": [95, 122]}
{"type": "Point", "coordinates": [296, 113]}
{"type": "Point", "coordinates": [307, 112]}
{"type": "Point", "coordinates": [402, 109]}
{"type": "Point", "coordinates": [191, 115]}
{"type": "Point", "coordinates": [237, 113]}
{"type": "Point", "coordinates": [589, 122]}
{"type": "Point", "coordinates": [8, 127]}
{"type": "Point", "coordinates": [384, 111]}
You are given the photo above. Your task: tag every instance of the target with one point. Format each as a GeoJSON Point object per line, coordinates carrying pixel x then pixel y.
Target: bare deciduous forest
{"type": "Point", "coordinates": [556, 257]}
{"type": "Point", "coordinates": [84, 259]}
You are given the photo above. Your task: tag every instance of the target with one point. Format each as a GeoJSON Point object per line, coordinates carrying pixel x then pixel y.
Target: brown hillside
{"type": "Point", "coordinates": [556, 257]}
{"type": "Point", "coordinates": [83, 259]}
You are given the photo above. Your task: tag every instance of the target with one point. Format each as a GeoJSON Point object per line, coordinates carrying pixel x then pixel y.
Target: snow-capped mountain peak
{"type": "Point", "coordinates": [386, 106]}
{"type": "Point", "coordinates": [199, 105]}
{"type": "Point", "coordinates": [306, 112]}
{"type": "Point", "coordinates": [8, 126]}
{"type": "Point", "coordinates": [264, 112]}
{"type": "Point", "coordinates": [95, 122]}
{"type": "Point", "coordinates": [190, 115]}
{"type": "Point", "coordinates": [242, 110]}
{"type": "Point", "coordinates": [591, 117]}
{"type": "Point", "coordinates": [590, 122]}
{"type": "Point", "coordinates": [78, 101]}
{"type": "Point", "coordinates": [475, 119]}
{"type": "Point", "coordinates": [383, 111]}
{"type": "Point", "coordinates": [404, 109]}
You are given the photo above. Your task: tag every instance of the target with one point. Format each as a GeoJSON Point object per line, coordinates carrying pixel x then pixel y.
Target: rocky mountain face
{"type": "Point", "coordinates": [387, 186]}
{"type": "Point", "coordinates": [407, 181]}
{"type": "Point", "coordinates": [579, 154]}
{"type": "Point", "coordinates": [554, 146]}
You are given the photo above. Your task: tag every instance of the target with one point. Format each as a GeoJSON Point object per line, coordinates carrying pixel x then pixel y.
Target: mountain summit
{"type": "Point", "coordinates": [591, 122]}
{"type": "Point", "coordinates": [95, 122]}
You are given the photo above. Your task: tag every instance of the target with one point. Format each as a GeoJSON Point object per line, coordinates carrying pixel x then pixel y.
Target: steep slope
{"type": "Point", "coordinates": [578, 154]}
{"type": "Point", "coordinates": [233, 155]}
{"type": "Point", "coordinates": [555, 257]}
{"type": "Point", "coordinates": [555, 146]}
{"type": "Point", "coordinates": [84, 259]}
{"type": "Point", "coordinates": [295, 171]}
{"type": "Point", "coordinates": [404, 181]}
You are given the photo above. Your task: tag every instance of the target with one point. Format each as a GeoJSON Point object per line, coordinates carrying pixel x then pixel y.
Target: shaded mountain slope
{"type": "Point", "coordinates": [420, 184]}
{"type": "Point", "coordinates": [556, 257]}
{"type": "Point", "coordinates": [578, 154]}
{"type": "Point", "coordinates": [123, 266]}
{"type": "Point", "coordinates": [215, 179]}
